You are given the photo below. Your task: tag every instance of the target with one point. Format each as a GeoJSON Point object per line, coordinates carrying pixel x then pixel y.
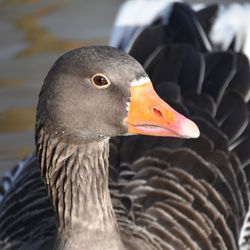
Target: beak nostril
{"type": "Point", "coordinates": [157, 112]}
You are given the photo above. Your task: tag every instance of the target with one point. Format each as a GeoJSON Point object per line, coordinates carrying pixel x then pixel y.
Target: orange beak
{"type": "Point", "coordinates": [149, 115]}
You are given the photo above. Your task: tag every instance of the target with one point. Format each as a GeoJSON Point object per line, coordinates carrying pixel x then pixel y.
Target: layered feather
{"type": "Point", "coordinates": [169, 193]}
{"type": "Point", "coordinates": [192, 194]}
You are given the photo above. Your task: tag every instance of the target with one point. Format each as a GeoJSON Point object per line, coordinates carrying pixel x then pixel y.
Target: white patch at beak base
{"type": "Point", "coordinates": [127, 106]}
{"type": "Point", "coordinates": [140, 81]}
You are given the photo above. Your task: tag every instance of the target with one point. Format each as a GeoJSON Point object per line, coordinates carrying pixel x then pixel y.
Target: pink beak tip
{"type": "Point", "coordinates": [190, 129]}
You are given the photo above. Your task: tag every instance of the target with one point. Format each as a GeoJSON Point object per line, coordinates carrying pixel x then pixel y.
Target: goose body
{"type": "Point", "coordinates": [83, 190]}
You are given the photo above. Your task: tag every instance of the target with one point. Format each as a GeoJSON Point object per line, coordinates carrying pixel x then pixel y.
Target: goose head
{"type": "Point", "coordinates": [99, 91]}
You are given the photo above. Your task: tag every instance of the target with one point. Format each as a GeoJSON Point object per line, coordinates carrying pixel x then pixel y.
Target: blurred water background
{"type": "Point", "coordinates": [33, 34]}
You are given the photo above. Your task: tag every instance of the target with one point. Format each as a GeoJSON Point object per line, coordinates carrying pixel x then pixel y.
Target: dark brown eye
{"type": "Point", "coordinates": [100, 81]}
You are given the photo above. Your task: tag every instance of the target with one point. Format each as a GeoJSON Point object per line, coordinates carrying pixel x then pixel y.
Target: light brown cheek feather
{"type": "Point", "coordinates": [148, 114]}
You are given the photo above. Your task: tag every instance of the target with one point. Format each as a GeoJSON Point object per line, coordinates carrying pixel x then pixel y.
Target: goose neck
{"type": "Point", "coordinates": [76, 177]}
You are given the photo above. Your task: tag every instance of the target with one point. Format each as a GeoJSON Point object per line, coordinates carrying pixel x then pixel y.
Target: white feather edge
{"type": "Point", "coordinates": [231, 21]}
{"type": "Point", "coordinates": [12, 177]}
{"type": "Point", "coordinates": [245, 233]}
{"type": "Point", "coordinates": [138, 13]}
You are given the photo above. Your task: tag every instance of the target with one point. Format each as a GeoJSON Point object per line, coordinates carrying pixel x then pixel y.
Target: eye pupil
{"type": "Point", "coordinates": [100, 80]}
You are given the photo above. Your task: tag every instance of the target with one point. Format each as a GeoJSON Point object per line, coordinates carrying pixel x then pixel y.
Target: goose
{"type": "Point", "coordinates": [82, 190]}
{"type": "Point", "coordinates": [89, 95]}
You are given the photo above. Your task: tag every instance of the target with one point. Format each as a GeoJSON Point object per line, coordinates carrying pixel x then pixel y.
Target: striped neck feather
{"type": "Point", "coordinates": [76, 177]}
